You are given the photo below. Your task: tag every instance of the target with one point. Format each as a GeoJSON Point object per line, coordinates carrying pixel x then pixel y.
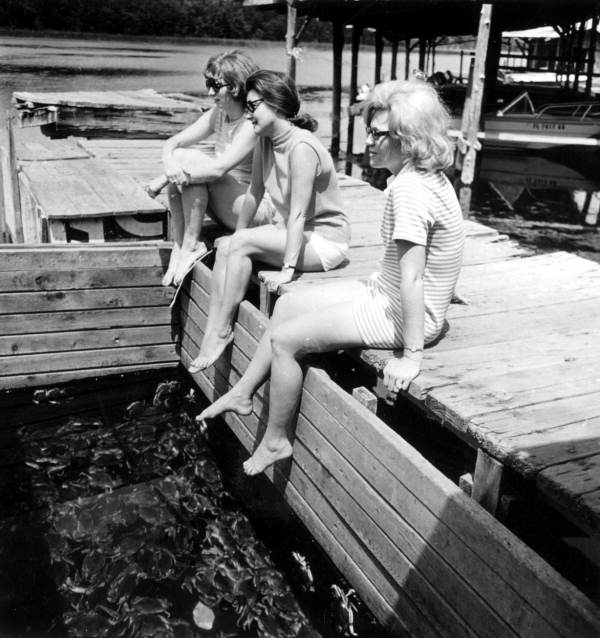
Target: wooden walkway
{"type": "Point", "coordinates": [516, 376]}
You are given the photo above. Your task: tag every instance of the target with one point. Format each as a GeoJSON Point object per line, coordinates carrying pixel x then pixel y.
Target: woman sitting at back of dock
{"type": "Point", "coordinates": [403, 305]}
{"type": "Point", "coordinates": [313, 233]}
{"type": "Point", "coordinates": [198, 183]}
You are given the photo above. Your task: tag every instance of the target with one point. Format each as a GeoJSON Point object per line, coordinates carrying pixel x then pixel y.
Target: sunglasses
{"type": "Point", "coordinates": [252, 105]}
{"type": "Point", "coordinates": [215, 85]}
{"type": "Point", "coordinates": [375, 134]}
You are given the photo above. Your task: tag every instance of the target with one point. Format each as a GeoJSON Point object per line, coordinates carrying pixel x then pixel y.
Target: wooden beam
{"type": "Point", "coordinates": [356, 33]}
{"type": "Point", "coordinates": [393, 69]}
{"type": "Point", "coordinates": [12, 198]}
{"type": "Point", "coordinates": [290, 38]}
{"type": "Point", "coordinates": [472, 112]}
{"type": "Point", "coordinates": [407, 58]}
{"type": "Point", "coordinates": [378, 56]}
{"type": "Point", "coordinates": [591, 56]}
{"type": "Point", "coordinates": [486, 481]}
{"type": "Point", "coordinates": [336, 104]}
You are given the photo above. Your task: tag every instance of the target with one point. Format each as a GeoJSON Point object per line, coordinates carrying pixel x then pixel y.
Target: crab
{"type": "Point", "coordinates": [344, 610]}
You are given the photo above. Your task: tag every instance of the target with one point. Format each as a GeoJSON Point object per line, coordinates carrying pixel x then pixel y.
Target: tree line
{"type": "Point", "coordinates": [186, 18]}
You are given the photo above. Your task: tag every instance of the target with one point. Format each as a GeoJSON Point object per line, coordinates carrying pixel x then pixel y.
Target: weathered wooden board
{"type": "Point", "coordinates": [388, 503]}
{"type": "Point", "coordinates": [61, 322]}
{"type": "Point", "coordinates": [90, 187]}
{"type": "Point", "coordinates": [142, 99]}
{"type": "Point", "coordinates": [43, 148]}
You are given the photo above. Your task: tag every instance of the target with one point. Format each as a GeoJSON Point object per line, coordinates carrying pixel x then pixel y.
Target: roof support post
{"type": "Point", "coordinates": [407, 58]}
{"type": "Point", "coordinates": [290, 38]}
{"type": "Point", "coordinates": [336, 102]}
{"type": "Point", "coordinates": [393, 70]}
{"type": "Point", "coordinates": [356, 33]}
{"type": "Point", "coordinates": [578, 55]}
{"type": "Point", "coordinates": [472, 119]}
{"type": "Point", "coordinates": [591, 56]}
{"type": "Point", "coordinates": [378, 55]}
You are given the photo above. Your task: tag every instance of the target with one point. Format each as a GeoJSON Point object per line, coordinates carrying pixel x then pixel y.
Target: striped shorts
{"type": "Point", "coordinates": [376, 323]}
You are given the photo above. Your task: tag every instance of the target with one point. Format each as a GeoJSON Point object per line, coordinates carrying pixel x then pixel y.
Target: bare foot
{"type": "Point", "coordinates": [266, 454]}
{"type": "Point", "coordinates": [187, 259]}
{"type": "Point", "coordinates": [172, 269]}
{"type": "Point", "coordinates": [232, 401]}
{"type": "Point", "coordinates": [213, 346]}
{"type": "Point", "coordinates": [154, 186]}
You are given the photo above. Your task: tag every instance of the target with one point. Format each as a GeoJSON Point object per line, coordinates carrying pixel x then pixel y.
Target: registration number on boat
{"type": "Point", "coordinates": [545, 126]}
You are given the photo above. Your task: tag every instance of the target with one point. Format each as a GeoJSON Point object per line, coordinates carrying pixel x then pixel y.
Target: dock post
{"type": "Point", "coordinates": [290, 38]}
{"type": "Point", "coordinates": [12, 197]}
{"type": "Point", "coordinates": [591, 56]}
{"type": "Point", "coordinates": [486, 481]}
{"type": "Point", "coordinates": [406, 58]}
{"type": "Point", "coordinates": [378, 55]}
{"type": "Point", "coordinates": [394, 67]}
{"type": "Point", "coordinates": [356, 33]}
{"type": "Point", "coordinates": [472, 112]}
{"type": "Point", "coordinates": [336, 103]}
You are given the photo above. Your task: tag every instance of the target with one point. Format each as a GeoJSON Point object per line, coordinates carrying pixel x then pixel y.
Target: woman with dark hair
{"type": "Point", "coordinates": [199, 183]}
{"type": "Point", "coordinates": [312, 233]}
{"type": "Point", "coordinates": [403, 305]}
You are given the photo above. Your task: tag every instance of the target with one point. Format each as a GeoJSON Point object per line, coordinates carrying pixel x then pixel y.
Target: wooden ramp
{"type": "Point", "coordinates": [426, 558]}
{"type": "Point", "coordinates": [78, 312]}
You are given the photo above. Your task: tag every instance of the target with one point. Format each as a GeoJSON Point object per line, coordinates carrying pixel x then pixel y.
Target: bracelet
{"type": "Point", "coordinates": [288, 267]}
{"type": "Point", "coordinates": [413, 349]}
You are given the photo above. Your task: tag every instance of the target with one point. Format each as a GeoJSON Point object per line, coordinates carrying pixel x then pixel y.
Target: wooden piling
{"type": "Point", "coordinates": [356, 33]}
{"type": "Point", "coordinates": [290, 38]}
{"type": "Point", "coordinates": [378, 56]}
{"type": "Point", "coordinates": [336, 102]}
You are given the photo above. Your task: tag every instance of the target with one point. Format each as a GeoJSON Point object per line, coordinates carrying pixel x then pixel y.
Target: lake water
{"type": "Point", "coordinates": [549, 201]}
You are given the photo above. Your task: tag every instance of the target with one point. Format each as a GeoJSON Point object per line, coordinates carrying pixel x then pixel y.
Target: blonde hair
{"type": "Point", "coordinates": [418, 122]}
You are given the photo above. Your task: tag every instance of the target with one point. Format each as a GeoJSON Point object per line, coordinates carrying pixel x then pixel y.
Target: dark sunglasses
{"type": "Point", "coordinates": [215, 85]}
{"type": "Point", "coordinates": [252, 105]}
{"type": "Point", "coordinates": [375, 134]}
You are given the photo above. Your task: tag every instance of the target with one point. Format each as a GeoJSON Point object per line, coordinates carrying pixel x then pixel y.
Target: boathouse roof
{"type": "Point", "coordinates": [423, 18]}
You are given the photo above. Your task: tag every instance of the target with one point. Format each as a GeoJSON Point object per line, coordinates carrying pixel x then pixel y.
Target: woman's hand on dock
{"type": "Point", "coordinates": [276, 279]}
{"type": "Point", "coordinates": [399, 372]}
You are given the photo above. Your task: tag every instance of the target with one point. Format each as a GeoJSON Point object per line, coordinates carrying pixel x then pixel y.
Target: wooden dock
{"type": "Point", "coordinates": [515, 377]}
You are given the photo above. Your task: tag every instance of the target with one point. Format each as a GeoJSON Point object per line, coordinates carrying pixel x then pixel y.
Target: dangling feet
{"type": "Point", "coordinates": [187, 259]}
{"type": "Point", "coordinates": [267, 453]}
{"type": "Point", "coordinates": [154, 186]}
{"type": "Point", "coordinates": [232, 401]}
{"type": "Point", "coordinates": [172, 269]}
{"type": "Point", "coordinates": [212, 347]}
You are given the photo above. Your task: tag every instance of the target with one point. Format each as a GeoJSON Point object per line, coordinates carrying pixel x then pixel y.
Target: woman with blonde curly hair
{"type": "Point", "coordinates": [404, 304]}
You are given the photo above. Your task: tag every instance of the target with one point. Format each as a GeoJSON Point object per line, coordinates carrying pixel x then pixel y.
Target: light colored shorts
{"type": "Point", "coordinates": [331, 253]}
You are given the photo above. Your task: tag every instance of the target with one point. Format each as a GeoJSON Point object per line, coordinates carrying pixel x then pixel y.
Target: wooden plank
{"type": "Point", "coordinates": [30, 217]}
{"type": "Point", "coordinates": [12, 214]}
{"type": "Point", "coordinates": [39, 364]}
{"type": "Point", "coordinates": [59, 300]}
{"type": "Point", "coordinates": [63, 376]}
{"type": "Point", "coordinates": [11, 346]}
{"type": "Point", "coordinates": [142, 99]}
{"type": "Point", "coordinates": [85, 188]}
{"type": "Point", "coordinates": [107, 277]}
{"type": "Point", "coordinates": [82, 319]}
{"type": "Point", "coordinates": [573, 488]}
{"type": "Point", "coordinates": [92, 230]}
{"type": "Point", "coordinates": [45, 256]}
{"type": "Point", "coordinates": [42, 148]}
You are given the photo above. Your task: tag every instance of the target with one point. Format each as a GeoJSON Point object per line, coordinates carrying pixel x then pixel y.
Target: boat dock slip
{"type": "Point", "coordinates": [516, 376]}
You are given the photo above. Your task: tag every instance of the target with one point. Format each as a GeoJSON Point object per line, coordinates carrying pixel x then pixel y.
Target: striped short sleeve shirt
{"type": "Point", "coordinates": [421, 208]}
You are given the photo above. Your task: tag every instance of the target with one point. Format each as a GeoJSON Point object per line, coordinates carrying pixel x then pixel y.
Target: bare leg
{"type": "Point", "coordinates": [239, 398]}
{"type": "Point", "coordinates": [328, 329]}
{"type": "Point", "coordinates": [194, 202]}
{"type": "Point", "coordinates": [178, 225]}
{"type": "Point", "coordinates": [266, 243]}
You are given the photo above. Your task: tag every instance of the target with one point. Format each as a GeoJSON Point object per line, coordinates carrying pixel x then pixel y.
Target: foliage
{"type": "Point", "coordinates": [193, 18]}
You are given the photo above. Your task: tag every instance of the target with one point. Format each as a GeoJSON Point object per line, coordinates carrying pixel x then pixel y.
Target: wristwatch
{"type": "Point", "coordinates": [288, 267]}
